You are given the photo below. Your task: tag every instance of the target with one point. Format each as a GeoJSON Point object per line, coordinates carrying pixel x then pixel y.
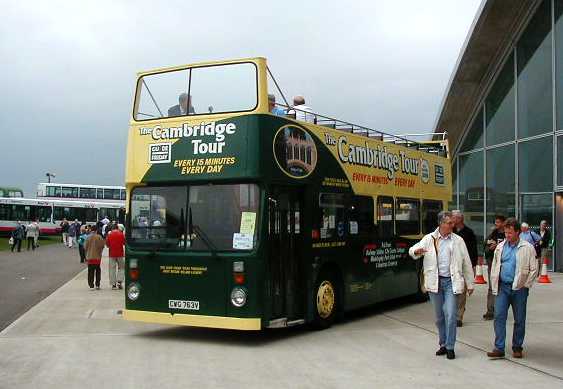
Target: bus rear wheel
{"type": "Point", "coordinates": [325, 301]}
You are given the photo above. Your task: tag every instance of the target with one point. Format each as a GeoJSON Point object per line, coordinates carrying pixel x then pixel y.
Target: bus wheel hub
{"type": "Point", "coordinates": [325, 299]}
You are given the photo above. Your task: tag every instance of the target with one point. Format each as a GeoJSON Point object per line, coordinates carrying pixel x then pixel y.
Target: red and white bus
{"type": "Point", "coordinates": [50, 213]}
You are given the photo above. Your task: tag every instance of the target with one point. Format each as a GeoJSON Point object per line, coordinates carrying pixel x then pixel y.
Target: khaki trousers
{"type": "Point", "coordinates": [461, 301]}
{"type": "Point", "coordinates": [490, 295]}
{"type": "Point", "coordinates": [116, 265]}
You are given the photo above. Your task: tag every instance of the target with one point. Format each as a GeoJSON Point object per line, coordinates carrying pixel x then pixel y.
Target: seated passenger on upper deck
{"type": "Point", "coordinates": [301, 110]}
{"type": "Point", "coordinates": [272, 106]}
{"type": "Point", "coordinates": [181, 109]}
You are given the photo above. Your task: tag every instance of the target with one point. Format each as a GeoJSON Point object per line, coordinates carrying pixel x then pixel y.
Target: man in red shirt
{"type": "Point", "coordinates": [115, 241]}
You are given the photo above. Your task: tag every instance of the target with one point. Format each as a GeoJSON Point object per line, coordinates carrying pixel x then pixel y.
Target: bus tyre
{"type": "Point", "coordinates": [326, 300]}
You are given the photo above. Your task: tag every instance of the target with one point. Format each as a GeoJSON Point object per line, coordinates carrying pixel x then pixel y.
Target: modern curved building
{"type": "Point", "coordinates": [503, 110]}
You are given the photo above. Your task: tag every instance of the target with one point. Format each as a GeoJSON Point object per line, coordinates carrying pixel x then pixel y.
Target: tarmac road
{"type": "Point", "coordinates": [29, 276]}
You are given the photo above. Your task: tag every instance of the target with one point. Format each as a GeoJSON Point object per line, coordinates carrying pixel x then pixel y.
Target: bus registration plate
{"type": "Point", "coordinates": [183, 304]}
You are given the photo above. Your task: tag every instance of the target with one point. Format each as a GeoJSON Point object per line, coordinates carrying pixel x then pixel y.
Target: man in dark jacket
{"type": "Point", "coordinates": [18, 235]}
{"type": "Point", "coordinates": [470, 240]}
{"type": "Point", "coordinates": [494, 238]}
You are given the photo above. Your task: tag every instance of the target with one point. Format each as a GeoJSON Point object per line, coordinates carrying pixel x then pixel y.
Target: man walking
{"type": "Point", "coordinates": [513, 272]}
{"type": "Point", "coordinates": [18, 235]}
{"type": "Point", "coordinates": [32, 235]}
{"type": "Point", "coordinates": [94, 246]}
{"type": "Point", "coordinates": [494, 238]}
{"type": "Point", "coordinates": [115, 242]}
{"type": "Point", "coordinates": [470, 240]}
{"type": "Point", "coordinates": [73, 233]}
{"type": "Point", "coordinates": [64, 230]}
{"type": "Point", "coordinates": [447, 271]}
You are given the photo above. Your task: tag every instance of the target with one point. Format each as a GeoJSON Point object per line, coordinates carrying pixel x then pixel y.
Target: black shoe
{"type": "Point", "coordinates": [450, 354]}
{"type": "Point", "coordinates": [489, 316]}
{"type": "Point", "coordinates": [459, 323]}
{"type": "Point", "coordinates": [441, 351]}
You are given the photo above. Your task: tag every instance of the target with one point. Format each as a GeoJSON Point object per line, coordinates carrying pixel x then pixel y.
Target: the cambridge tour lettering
{"type": "Point", "coordinates": [219, 131]}
{"type": "Point", "coordinates": [378, 158]}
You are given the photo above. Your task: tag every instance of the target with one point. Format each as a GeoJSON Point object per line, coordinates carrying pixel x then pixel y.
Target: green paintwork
{"type": "Point", "coordinates": [252, 146]}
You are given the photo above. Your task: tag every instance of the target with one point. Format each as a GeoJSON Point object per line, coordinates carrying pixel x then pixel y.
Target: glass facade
{"type": "Point", "coordinates": [535, 169]}
{"type": "Point", "coordinates": [500, 183]}
{"type": "Point", "coordinates": [471, 192]}
{"type": "Point", "coordinates": [474, 138]}
{"type": "Point", "coordinates": [510, 168]}
{"type": "Point", "coordinates": [534, 60]}
{"type": "Point", "coordinates": [499, 106]}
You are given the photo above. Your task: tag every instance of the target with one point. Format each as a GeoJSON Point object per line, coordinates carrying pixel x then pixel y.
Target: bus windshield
{"type": "Point", "coordinates": [199, 90]}
{"type": "Point", "coordinates": [199, 217]}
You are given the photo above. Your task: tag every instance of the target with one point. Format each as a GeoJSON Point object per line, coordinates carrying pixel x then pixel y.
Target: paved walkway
{"type": "Point", "coordinates": [76, 338]}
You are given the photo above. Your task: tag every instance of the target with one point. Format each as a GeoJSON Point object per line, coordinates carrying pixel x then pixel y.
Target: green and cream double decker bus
{"type": "Point", "coordinates": [238, 218]}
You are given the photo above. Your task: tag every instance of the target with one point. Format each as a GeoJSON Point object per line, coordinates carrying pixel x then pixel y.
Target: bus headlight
{"type": "Point", "coordinates": [238, 297]}
{"type": "Point", "coordinates": [133, 291]}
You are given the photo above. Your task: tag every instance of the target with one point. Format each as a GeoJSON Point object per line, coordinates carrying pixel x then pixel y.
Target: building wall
{"type": "Point", "coordinates": [510, 160]}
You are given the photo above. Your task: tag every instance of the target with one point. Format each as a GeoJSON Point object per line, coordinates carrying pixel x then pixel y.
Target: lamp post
{"type": "Point", "coordinates": [49, 175]}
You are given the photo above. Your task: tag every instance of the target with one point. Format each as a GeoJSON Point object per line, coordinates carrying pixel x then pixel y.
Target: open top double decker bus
{"type": "Point", "coordinates": [241, 219]}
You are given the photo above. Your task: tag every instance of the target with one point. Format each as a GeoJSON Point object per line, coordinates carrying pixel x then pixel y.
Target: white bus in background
{"type": "Point", "coordinates": [101, 193]}
{"type": "Point", "coordinates": [50, 213]}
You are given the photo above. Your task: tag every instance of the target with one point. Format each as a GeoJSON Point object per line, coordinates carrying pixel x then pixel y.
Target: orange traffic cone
{"type": "Point", "coordinates": [544, 278]}
{"type": "Point", "coordinates": [479, 279]}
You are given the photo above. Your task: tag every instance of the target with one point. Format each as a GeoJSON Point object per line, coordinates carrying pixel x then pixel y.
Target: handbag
{"type": "Point", "coordinates": [11, 241]}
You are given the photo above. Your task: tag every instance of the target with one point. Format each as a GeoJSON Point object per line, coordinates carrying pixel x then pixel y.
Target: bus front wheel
{"type": "Point", "coordinates": [325, 301]}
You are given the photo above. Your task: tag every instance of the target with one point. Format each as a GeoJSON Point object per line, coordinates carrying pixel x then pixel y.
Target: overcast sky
{"type": "Point", "coordinates": [68, 68]}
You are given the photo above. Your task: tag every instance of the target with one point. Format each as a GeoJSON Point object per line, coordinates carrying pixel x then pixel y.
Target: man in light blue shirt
{"type": "Point", "coordinates": [444, 254]}
{"type": "Point", "coordinates": [528, 235]}
{"type": "Point", "coordinates": [274, 109]}
{"type": "Point", "coordinates": [508, 262]}
{"type": "Point", "coordinates": [513, 276]}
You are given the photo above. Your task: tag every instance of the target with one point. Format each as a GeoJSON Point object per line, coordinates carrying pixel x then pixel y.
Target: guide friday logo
{"type": "Point", "coordinates": [161, 152]}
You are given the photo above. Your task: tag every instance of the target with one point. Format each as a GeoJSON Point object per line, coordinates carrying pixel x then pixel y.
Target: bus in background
{"type": "Point", "coordinates": [238, 218]}
{"type": "Point", "coordinates": [6, 191]}
{"type": "Point", "coordinates": [50, 213]}
{"type": "Point", "coordinates": [100, 193]}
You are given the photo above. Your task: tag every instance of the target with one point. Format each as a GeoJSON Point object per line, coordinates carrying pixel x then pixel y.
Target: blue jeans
{"type": "Point", "coordinates": [505, 298]}
{"type": "Point", "coordinates": [445, 310]}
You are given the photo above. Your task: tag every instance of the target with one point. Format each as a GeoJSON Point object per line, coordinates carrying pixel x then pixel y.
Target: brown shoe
{"type": "Point", "coordinates": [495, 354]}
{"type": "Point", "coordinates": [517, 354]}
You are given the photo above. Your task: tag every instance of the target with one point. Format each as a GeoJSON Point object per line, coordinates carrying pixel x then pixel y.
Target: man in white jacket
{"type": "Point", "coordinates": [513, 272]}
{"type": "Point", "coordinates": [447, 271]}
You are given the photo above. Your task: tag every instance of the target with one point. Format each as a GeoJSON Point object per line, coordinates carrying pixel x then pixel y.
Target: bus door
{"type": "Point", "coordinates": [285, 253]}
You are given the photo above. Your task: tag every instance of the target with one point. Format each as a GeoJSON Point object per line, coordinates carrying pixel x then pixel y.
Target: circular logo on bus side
{"type": "Point", "coordinates": [295, 151]}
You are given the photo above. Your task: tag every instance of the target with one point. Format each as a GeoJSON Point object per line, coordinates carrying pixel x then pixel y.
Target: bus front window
{"type": "Point", "coordinates": [198, 218]}
{"type": "Point", "coordinates": [199, 90]}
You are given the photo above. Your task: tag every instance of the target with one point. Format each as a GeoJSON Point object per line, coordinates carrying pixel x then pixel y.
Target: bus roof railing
{"type": "Point", "coordinates": [438, 148]}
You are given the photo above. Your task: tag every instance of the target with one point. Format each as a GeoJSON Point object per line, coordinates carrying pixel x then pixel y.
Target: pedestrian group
{"type": "Point", "coordinates": [449, 260]}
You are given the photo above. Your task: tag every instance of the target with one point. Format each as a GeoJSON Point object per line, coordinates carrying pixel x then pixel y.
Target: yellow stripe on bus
{"type": "Point", "coordinates": [233, 323]}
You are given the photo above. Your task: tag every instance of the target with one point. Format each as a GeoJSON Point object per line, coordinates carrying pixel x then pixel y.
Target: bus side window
{"type": "Point", "coordinates": [407, 217]}
{"type": "Point", "coordinates": [385, 217]}
{"type": "Point", "coordinates": [360, 216]}
{"type": "Point", "coordinates": [331, 220]}
{"type": "Point", "coordinates": [430, 210]}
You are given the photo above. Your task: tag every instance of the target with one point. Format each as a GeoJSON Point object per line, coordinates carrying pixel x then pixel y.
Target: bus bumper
{"type": "Point", "coordinates": [232, 323]}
